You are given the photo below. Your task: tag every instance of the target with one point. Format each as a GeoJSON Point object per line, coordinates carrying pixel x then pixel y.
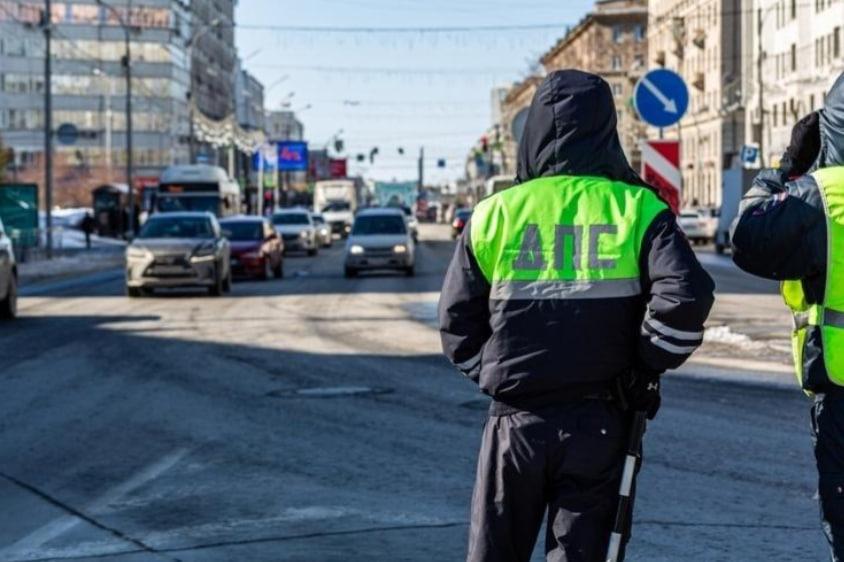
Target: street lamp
{"type": "Point", "coordinates": [107, 93]}
{"type": "Point", "coordinates": [127, 65]}
{"type": "Point", "coordinates": [189, 45]}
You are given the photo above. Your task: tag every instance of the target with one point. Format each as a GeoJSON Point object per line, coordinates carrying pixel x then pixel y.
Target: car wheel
{"type": "Point", "coordinates": [313, 252]}
{"type": "Point", "coordinates": [134, 292]}
{"type": "Point", "coordinates": [279, 269]}
{"type": "Point", "coordinates": [216, 289]}
{"type": "Point", "coordinates": [268, 269]}
{"type": "Point", "coordinates": [410, 270]}
{"type": "Point", "coordinates": [9, 305]}
{"type": "Point", "coordinates": [351, 272]}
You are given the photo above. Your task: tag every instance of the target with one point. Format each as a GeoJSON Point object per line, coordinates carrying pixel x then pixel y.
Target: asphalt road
{"type": "Point", "coordinates": [313, 419]}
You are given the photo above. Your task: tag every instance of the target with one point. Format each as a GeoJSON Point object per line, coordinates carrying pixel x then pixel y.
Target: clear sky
{"type": "Point", "coordinates": [396, 89]}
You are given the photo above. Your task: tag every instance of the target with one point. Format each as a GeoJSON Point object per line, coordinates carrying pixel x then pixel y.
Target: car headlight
{"type": "Point", "coordinates": [203, 252]}
{"type": "Point", "coordinates": [137, 253]}
{"type": "Point", "coordinates": [304, 234]}
{"type": "Point", "coordinates": [355, 249]}
{"type": "Point", "coordinates": [400, 249]}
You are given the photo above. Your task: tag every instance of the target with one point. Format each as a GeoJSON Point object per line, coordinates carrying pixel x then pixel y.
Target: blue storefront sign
{"type": "Point", "coordinates": [292, 156]}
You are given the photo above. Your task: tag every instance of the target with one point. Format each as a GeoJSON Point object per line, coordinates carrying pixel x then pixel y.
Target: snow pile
{"type": "Point", "coordinates": [724, 335]}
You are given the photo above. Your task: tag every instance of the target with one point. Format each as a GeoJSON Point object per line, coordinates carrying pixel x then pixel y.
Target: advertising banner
{"type": "Point", "coordinates": [292, 156]}
{"type": "Point", "coordinates": [337, 167]}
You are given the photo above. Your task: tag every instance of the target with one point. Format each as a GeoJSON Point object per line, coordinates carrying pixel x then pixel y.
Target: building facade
{"type": "Point", "coordinates": [283, 125]}
{"type": "Point", "coordinates": [88, 86]}
{"type": "Point", "coordinates": [612, 42]}
{"type": "Point", "coordinates": [249, 101]}
{"type": "Point", "coordinates": [705, 41]}
{"type": "Point", "coordinates": [801, 55]}
{"type": "Point", "coordinates": [213, 57]}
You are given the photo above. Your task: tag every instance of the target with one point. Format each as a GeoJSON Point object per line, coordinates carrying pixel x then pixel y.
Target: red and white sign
{"type": "Point", "coordinates": [661, 169]}
{"type": "Point", "coordinates": [337, 168]}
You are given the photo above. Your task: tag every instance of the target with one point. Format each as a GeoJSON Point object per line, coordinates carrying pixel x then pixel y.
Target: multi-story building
{"type": "Point", "coordinates": [705, 41]}
{"type": "Point", "coordinates": [88, 86]}
{"type": "Point", "coordinates": [283, 125]}
{"type": "Point", "coordinates": [514, 110]}
{"type": "Point", "coordinates": [213, 57]}
{"type": "Point", "coordinates": [801, 54]}
{"type": "Point", "coordinates": [249, 101]}
{"type": "Point", "coordinates": [610, 41]}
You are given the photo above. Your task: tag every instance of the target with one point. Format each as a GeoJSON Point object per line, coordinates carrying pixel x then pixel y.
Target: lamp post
{"type": "Point", "coordinates": [127, 66]}
{"type": "Point", "coordinates": [107, 94]}
{"type": "Point", "coordinates": [189, 45]}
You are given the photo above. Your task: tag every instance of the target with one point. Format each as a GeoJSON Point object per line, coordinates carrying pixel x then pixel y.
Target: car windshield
{"type": "Point", "coordinates": [379, 224]}
{"type": "Point", "coordinates": [290, 218]}
{"type": "Point", "coordinates": [177, 227]}
{"type": "Point", "coordinates": [170, 203]}
{"type": "Point", "coordinates": [337, 206]}
{"type": "Point", "coordinates": [243, 231]}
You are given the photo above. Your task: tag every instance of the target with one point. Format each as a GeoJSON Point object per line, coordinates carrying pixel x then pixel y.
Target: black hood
{"type": "Point", "coordinates": [832, 127]}
{"type": "Point", "coordinates": [571, 130]}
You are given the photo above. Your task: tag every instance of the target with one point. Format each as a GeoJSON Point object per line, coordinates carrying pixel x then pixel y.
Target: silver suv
{"type": "Point", "coordinates": [179, 250]}
{"type": "Point", "coordinates": [8, 277]}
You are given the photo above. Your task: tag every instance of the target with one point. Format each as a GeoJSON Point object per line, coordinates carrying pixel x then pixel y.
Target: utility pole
{"type": "Point", "coordinates": [46, 23]}
{"type": "Point", "coordinates": [761, 87]}
{"type": "Point", "coordinates": [126, 62]}
{"type": "Point", "coordinates": [421, 168]}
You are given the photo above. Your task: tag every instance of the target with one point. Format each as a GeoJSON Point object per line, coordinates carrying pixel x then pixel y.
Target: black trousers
{"type": "Point", "coordinates": [568, 460]}
{"type": "Point", "coordinates": [828, 438]}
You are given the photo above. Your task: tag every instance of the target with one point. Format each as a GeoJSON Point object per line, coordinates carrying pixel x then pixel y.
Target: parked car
{"type": "Point", "coordinates": [699, 225]}
{"type": "Point", "coordinates": [323, 230]}
{"type": "Point", "coordinates": [182, 249]}
{"type": "Point", "coordinates": [461, 217]}
{"type": "Point", "coordinates": [380, 239]}
{"type": "Point", "coordinates": [8, 277]}
{"type": "Point", "coordinates": [297, 230]}
{"type": "Point", "coordinates": [256, 248]}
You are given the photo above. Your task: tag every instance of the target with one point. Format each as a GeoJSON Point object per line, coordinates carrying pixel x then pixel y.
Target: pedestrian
{"type": "Point", "coordinates": [564, 290]}
{"type": "Point", "coordinates": [791, 229]}
{"type": "Point", "coordinates": [88, 225]}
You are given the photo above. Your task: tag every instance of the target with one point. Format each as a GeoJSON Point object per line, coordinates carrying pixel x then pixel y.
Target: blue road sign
{"type": "Point", "coordinates": [661, 98]}
{"type": "Point", "coordinates": [292, 156]}
{"type": "Point", "coordinates": [67, 133]}
{"type": "Point", "coordinates": [750, 155]}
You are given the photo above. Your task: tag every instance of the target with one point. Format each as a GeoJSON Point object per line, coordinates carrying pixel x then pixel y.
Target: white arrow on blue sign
{"type": "Point", "coordinates": [661, 98]}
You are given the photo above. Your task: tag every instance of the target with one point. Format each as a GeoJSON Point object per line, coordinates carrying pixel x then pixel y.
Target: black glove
{"type": "Point", "coordinates": [642, 391]}
{"type": "Point", "coordinates": [804, 148]}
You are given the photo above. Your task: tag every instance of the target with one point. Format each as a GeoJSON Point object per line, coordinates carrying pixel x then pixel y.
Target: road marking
{"type": "Point", "coordinates": [669, 105]}
{"type": "Point", "coordinates": [61, 525]}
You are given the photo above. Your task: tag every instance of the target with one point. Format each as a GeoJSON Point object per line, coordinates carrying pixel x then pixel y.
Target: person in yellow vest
{"type": "Point", "coordinates": [562, 289]}
{"type": "Point", "coordinates": [791, 229]}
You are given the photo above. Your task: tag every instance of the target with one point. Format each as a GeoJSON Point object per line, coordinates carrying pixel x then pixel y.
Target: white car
{"type": "Point", "coordinates": [380, 239]}
{"type": "Point", "coordinates": [297, 230]}
{"type": "Point", "coordinates": [699, 225]}
{"type": "Point", "coordinates": [8, 278]}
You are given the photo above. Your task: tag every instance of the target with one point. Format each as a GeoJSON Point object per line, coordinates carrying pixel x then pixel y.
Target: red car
{"type": "Point", "coordinates": [256, 249]}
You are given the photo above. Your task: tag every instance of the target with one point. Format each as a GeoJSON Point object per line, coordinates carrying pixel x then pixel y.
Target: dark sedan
{"type": "Point", "coordinates": [257, 250]}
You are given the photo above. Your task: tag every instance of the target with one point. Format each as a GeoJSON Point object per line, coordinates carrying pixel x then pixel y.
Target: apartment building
{"type": "Point", "coordinates": [705, 41]}
{"type": "Point", "coordinates": [801, 54]}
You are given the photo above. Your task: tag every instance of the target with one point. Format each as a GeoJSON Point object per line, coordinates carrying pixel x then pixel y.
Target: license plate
{"type": "Point", "coordinates": [169, 270]}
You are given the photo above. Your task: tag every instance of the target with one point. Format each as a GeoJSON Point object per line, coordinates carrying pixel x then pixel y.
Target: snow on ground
{"type": "Point", "coordinates": [78, 263]}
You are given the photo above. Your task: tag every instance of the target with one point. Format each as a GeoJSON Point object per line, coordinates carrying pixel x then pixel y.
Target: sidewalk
{"type": "Point", "coordinates": [79, 262]}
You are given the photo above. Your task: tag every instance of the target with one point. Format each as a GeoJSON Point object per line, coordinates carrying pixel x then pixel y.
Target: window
{"type": "Point", "coordinates": [639, 33]}
{"type": "Point", "coordinates": [794, 9]}
{"type": "Point", "coordinates": [616, 62]}
{"type": "Point", "coordinates": [616, 33]}
{"type": "Point", "coordinates": [775, 116]}
{"type": "Point", "coordinates": [836, 43]}
{"type": "Point", "coordinates": [616, 89]}
{"type": "Point", "coordinates": [812, 102]}
{"type": "Point", "coordinates": [793, 57]}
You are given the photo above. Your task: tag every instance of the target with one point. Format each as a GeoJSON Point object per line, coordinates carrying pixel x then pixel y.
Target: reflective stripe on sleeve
{"type": "Point", "coordinates": [672, 348]}
{"type": "Point", "coordinates": [469, 364]}
{"type": "Point", "coordinates": [563, 290]}
{"type": "Point", "coordinates": [661, 328]}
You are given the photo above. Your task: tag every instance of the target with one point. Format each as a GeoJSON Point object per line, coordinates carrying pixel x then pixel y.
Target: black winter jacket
{"type": "Point", "coordinates": [526, 354]}
{"type": "Point", "coordinates": [781, 233]}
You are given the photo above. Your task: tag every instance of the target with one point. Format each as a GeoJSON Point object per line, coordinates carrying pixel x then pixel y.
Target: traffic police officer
{"type": "Point", "coordinates": [560, 288]}
{"type": "Point", "coordinates": [791, 228]}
